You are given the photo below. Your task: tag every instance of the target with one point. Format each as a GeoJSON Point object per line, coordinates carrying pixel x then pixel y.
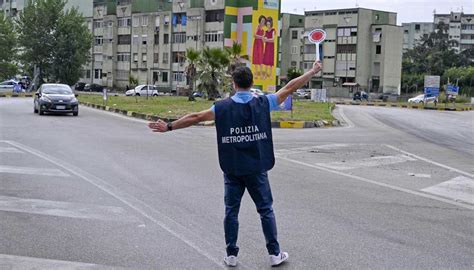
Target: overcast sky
{"type": "Point", "coordinates": [407, 10]}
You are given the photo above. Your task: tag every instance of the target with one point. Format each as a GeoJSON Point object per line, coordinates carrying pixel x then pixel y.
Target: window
{"type": "Point", "coordinates": [124, 22]}
{"type": "Point", "coordinates": [156, 58]}
{"type": "Point", "coordinates": [347, 32]}
{"type": "Point", "coordinates": [135, 39]}
{"type": "Point", "coordinates": [166, 38]}
{"type": "Point", "coordinates": [145, 21]}
{"type": "Point", "coordinates": [179, 37]}
{"type": "Point", "coordinates": [178, 76]}
{"type": "Point", "coordinates": [417, 27]}
{"type": "Point", "coordinates": [124, 39]}
{"type": "Point", "coordinates": [97, 73]}
{"type": "Point", "coordinates": [98, 24]}
{"type": "Point", "coordinates": [135, 57]}
{"type": "Point", "coordinates": [309, 49]}
{"type": "Point", "coordinates": [123, 57]}
{"type": "Point", "coordinates": [136, 21]}
{"type": "Point", "coordinates": [165, 57]}
{"type": "Point", "coordinates": [378, 49]}
{"type": "Point", "coordinates": [144, 57]}
{"type": "Point", "coordinates": [179, 57]}
{"type": "Point", "coordinates": [214, 37]}
{"type": "Point", "coordinates": [215, 15]}
{"type": "Point", "coordinates": [144, 39]}
{"type": "Point", "coordinates": [294, 34]}
{"type": "Point", "coordinates": [98, 40]}
{"type": "Point", "coordinates": [88, 74]}
{"type": "Point", "coordinates": [346, 48]}
{"type": "Point", "coordinates": [157, 39]}
{"type": "Point", "coordinates": [164, 76]}
{"type": "Point", "coordinates": [294, 50]}
{"type": "Point", "coordinates": [179, 18]}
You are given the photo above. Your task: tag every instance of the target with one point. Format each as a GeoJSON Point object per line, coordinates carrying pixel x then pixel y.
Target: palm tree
{"type": "Point", "coordinates": [211, 74]}
{"type": "Point", "coordinates": [192, 57]}
{"type": "Point", "coordinates": [235, 53]}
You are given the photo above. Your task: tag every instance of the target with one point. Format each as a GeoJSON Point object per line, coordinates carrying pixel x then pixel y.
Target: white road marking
{"type": "Point", "coordinates": [460, 189]}
{"type": "Point", "coordinates": [349, 123]}
{"type": "Point", "coordinates": [12, 262]}
{"type": "Point", "coordinates": [430, 161]}
{"type": "Point", "coordinates": [9, 150]}
{"type": "Point", "coordinates": [298, 150]}
{"type": "Point", "coordinates": [420, 175]}
{"type": "Point", "coordinates": [366, 162]}
{"type": "Point", "coordinates": [362, 179]}
{"type": "Point", "coordinates": [64, 209]}
{"type": "Point", "coordinates": [196, 242]}
{"type": "Point", "coordinates": [32, 171]}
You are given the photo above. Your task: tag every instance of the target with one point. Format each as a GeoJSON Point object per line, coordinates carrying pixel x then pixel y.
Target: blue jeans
{"type": "Point", "coordinates": [259, 189]}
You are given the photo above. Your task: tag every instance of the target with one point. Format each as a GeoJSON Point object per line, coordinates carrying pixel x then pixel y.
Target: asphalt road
{"type": "Point", "coordinates": [392, 189]}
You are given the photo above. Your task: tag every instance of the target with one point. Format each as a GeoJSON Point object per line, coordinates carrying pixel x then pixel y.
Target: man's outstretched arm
{"type": "Point", "coordinates": [184, 122]}
{"type": "Point", "coordinates": [296, 83]}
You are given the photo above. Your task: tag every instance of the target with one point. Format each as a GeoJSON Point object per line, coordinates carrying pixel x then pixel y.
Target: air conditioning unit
{"type": "Point", "coordinates": [157, 29]}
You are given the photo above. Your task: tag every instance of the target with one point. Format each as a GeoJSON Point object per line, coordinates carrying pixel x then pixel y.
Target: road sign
{"type": "Point", "coordinates": [318, 95]}
{"type": "Point", "coordinates": [453, 90]}
{"type": "Point", "coordinates": [431, 91]}
{"type": "Point", "coordinates": [316, 37]}
{"type": "Point", "coordinates": [432, 86]}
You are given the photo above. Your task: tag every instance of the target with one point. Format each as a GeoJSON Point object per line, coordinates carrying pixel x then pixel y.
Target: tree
{"type": "Point", "coordinates": [211, 70]}
{"type": "Point", "coordinates": [56, 41]}
{"type": "Point", "coordinates": [293, 73]}
{"type": "Point", "coordinates": [433, 56]}
{"type": "Point", "coordinates": [192, 57]}
{"type": "Point", "coordinates": [235, 54]}
{"type": "Point", "coordinates": [8, 41]}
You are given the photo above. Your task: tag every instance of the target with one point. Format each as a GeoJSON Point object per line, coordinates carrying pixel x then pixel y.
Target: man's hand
{"type": "Point", "coordinates": [317, 67]}
{"type": "Point", "coordinates": [159, 126]}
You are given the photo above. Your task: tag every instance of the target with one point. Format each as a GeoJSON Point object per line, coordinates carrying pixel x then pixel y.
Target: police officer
{"type": "Point", "coordinates": [245, 147]}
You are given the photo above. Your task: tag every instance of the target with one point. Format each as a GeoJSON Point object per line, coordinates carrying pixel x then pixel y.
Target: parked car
{"type": "Point", "coordinates": [142, 90]}
{"type": "Point", "coordinates": [303, 93]}
{"type": "Point", "coordinates": [57, 98]}
{"type": "Point", "coordinates": [361, 95]}
{"type": "Point", "coordinates": [7, 86]}
{"type": "Point", "coordinates": [421, 99]}
{"type": "Point", "coordinates": [256, 92]}
{"type": "Point", "coordinates": [93, 87]}
{"type": "Point", "coordinates": [79, 86]}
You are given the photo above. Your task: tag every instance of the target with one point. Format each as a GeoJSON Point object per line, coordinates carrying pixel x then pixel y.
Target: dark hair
{"type": "Point", "coordinates": [242, 77]}
{"type": "Point", "coordinates": [270, 20]}
{"type": "Point", "coordinates": [262, 17]}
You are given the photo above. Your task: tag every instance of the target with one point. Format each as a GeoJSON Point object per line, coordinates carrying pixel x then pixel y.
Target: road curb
{"type": "Point", "coordinates": [405, 106]}
{"type": "Point", "coordinates": [15, 95]}
{"type": "Point", "coordinates": [280, 124]}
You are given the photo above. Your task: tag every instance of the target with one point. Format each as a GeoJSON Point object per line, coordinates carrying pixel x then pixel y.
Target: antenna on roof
{"type": "Point", "coordinates": [357, 3]}
{"type": "Point", "coordinates": [434, 11]}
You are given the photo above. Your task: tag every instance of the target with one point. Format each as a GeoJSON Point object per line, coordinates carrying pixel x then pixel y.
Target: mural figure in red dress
{"type": "Point", "coordinates": [269, 52]}
{"type": "Point", "coordinates": [257, 55]}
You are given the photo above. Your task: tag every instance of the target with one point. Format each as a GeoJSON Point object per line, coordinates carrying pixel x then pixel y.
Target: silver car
{"type": "Point", "coordinates": [7, 86]}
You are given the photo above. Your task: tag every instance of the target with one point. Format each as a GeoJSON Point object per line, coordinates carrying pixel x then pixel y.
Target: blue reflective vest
{"type": "Point", "coordinates": [244, 136]}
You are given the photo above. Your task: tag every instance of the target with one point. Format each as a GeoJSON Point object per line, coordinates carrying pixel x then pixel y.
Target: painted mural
{"type": "Point", "coordinates": [255, 25]}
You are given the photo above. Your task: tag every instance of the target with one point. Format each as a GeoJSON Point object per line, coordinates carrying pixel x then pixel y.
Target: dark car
{"type": "Point", "coordinates": [93, 87]}
{"type": "Point", "coordinates": [361, 95]}
{"type": "Point", "coordinates": [79, 86]}
{"type": "Point", "coordinates": [57, 98]}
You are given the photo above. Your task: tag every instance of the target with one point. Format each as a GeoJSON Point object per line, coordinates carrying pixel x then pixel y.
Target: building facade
{"type": "Point", "coordinates": [414, 32]}
{"type": "Point", "coordinates": [13, 8]}
{"type": "Point", "coordinates": [461, 28]}
{"type": "Point", "coordinates": [148, 40]}
{"type": "Point", "coordinates": [292, 43]}
{"type": "Point", "coordinates": [363, 47]}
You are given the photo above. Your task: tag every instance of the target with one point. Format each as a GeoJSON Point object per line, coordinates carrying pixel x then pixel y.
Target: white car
{"type": "Point", "coordinates": [256, 92]}
{"type": "Point", "coordinates": [7, 86]}
{"type": "Point", "coordinates": [422, 99]}
{"type": "Point", "coordinates": [142, 90]}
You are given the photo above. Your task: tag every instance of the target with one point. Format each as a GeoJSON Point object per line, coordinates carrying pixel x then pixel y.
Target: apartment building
{"type": "Point", "coordinates": [414, 32]}
{"type": "Point", "coordinates": [363, 47]}
{"type": "Point", "coordinates": [13, 8]}
{"type": "Point", "coordinates": [291, 43]}
{"type": "Point", "coordinates": [461, 28]}
{"type": "Point", "coordinates": [148, 40]}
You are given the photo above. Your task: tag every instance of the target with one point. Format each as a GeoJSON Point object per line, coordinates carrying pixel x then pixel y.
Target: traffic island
{"type": "Point", "coordinates": [407, 106]}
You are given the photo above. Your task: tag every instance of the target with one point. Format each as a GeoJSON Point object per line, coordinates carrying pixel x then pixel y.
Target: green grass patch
{"type": "Point", "coordinates": [175, 107]}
